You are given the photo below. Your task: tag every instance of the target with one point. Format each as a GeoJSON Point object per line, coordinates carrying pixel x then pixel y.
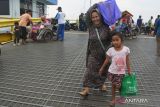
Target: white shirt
{"type": "Point", "coordinates": [118, 63]}
{"type": "Point", "coordinates": [61, 17]}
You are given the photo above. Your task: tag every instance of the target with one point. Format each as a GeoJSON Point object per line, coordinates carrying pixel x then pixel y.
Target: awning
{"type": "Point", "coordinates": [52, 2]}
{"type": "Point", "coordinates": [126, 13]}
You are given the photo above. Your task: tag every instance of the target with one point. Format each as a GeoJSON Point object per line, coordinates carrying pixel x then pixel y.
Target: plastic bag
{"type": "Point", "coordinates": [129, 85]}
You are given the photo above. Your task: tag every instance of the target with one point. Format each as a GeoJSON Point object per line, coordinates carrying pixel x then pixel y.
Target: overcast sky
{"type": "Point", "coordinates": [73, 8]}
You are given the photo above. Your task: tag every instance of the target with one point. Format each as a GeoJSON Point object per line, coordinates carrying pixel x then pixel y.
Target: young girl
{"type": "Point", "coordinates": [119, 55]}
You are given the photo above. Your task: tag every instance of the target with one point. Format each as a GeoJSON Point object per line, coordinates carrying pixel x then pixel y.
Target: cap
{"type": "Point", "coordinates": [59, 8]}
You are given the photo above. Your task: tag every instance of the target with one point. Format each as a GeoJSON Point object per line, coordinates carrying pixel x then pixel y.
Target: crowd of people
{"type": "Point", "coordinates": [151, 28]}
{"type": "Point", "coordinates": [147, 28]}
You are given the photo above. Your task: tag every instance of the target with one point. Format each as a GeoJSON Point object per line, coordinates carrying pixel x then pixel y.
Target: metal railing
{"type": "Point", "coordinates": [9, 22]}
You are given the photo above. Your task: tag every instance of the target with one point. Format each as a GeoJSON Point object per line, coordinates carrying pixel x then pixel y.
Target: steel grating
{"type": "Point", "coordinates": [51, 74]}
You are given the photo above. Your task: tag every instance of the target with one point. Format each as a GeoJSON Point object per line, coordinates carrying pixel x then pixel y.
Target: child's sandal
{"type": "Point", "coordinates": [112, 104]}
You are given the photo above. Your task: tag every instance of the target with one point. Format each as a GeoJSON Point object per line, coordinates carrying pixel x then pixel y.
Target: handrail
{"type": "Point", "coordinates": [7, 37]}
{"type": "Point", "coordinates": [5, 17]}
{"type": "Point", "coordinates": [10, 22]}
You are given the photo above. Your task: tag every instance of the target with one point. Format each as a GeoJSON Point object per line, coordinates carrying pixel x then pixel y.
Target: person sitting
{"type": "Point", "coordinates": [44, 22]}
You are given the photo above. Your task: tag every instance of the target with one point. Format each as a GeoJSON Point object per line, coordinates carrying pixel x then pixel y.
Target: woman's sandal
{"type": "Point", "coordinates": [103, 88]}
{"type": "Point", "coordinates": [85, 92]}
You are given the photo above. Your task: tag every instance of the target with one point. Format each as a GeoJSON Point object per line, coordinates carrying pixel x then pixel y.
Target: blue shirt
{"type": "Point", "coordinates": [158, 28]}
{"type": "Point", "coordinates": [155, 23]}
{"type": "Point", "coordinates": [139, 22]}
{"type": "Point", "coordinates": [60, 16]}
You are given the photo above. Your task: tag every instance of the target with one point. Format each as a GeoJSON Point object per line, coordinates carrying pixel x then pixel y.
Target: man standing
{"type": "Point", "coordinates": [81, 22]}
{"type": "Point", "coordinates": [150, 26]}
{"type": "Point", "coordinates": [155, 23]}
{"type": "Point", "coordinates": [25, 19]}
{"type": "Point", "coordinates": [157, 29]}
{"type": "Point", "coordinates": [156, 20]}
{"type": "Point", "coordinates": [139, 23]}
{"type": "Point", "coordinates": [61, 24]}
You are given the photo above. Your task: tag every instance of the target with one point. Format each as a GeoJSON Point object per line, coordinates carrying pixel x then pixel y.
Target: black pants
{"type": "Point", "coordinates": [158, 45]}
{"type": "Point", "coordinates": [23, 31]}
{"type": "Point", "coordinates": [17, 37]}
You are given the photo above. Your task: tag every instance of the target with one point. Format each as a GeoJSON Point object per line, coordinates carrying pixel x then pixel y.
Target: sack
{"type": "Point", "coordinates": [110, 11]}
{"type": "Point", "coordinates": [129, 85]}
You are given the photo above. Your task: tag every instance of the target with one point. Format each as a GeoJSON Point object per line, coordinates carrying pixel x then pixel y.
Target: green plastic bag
{"type": "Point", "coordinates": [129, 85]}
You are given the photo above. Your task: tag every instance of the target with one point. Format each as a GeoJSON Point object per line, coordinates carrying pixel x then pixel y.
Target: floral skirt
{"type": "Point", "coordinates": [116, 79]}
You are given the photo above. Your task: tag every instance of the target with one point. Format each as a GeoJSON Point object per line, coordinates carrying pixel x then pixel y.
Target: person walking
{"type": "Point", "coordinates": [95, 53]}
{"type": "Point", "coordinates": [60, 16]}
{"type": "Point", "coordinates": [139, 23]}
{"type": "Point", "coordinates": [119, 56]}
